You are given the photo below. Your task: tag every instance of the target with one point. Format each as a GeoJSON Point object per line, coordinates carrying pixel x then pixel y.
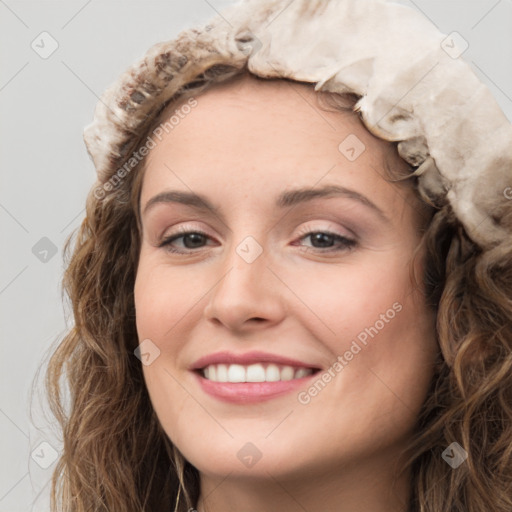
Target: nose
{"type": "Point", "coordinates": [247, 295]}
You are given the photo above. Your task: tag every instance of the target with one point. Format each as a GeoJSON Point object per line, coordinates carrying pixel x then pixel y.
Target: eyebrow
{"type": "Point", "coordinates": [285, 200]}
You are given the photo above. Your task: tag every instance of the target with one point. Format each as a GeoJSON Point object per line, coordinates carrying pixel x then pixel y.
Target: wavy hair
{"type": "Point", "coordinates": [115, 454]}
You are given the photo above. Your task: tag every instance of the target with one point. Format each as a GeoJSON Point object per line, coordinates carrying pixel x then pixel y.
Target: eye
{"type": "Point", "coordinates": [192, 239]}
{"type": "Point", "coordinates": [322, 241]}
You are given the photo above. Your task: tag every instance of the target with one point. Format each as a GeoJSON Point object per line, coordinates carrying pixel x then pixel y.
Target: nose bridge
{"type": "Point", "coordinates": [245, 289]}
{"type": "Point", "coordinates": [246, 267]}
{"type": "Point", "coordinates": [248, 254]}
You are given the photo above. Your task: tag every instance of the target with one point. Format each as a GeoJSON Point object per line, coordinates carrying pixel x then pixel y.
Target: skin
{"type": "Point", "coordinates": [244, 143]}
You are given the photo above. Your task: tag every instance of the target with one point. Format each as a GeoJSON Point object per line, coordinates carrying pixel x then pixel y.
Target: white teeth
{"type": "Point", "coordinates": [253, 373]}
{"type": "Point", "coordinates": [222, 373]}
{"type": "Point", "coordinates": [236, 373]}
{"type": "Point", "coordinates": [272, 373]}
{"type": "Point", "coordinates": [287, 373]}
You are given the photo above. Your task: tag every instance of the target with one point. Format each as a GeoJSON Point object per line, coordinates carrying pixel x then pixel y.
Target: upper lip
{"type": "Point", "coordinates": [247, 358]}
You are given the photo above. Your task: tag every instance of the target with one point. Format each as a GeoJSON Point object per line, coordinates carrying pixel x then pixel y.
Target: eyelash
{"type": "Point", "coordinates": [346, 243]}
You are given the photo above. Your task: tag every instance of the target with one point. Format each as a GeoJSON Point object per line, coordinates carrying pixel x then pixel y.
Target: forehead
{"type": "Point", "coordinates": [259, 135]}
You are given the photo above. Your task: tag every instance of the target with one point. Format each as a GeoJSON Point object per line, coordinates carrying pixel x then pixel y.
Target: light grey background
{"type": "Point", "coordinates": [46, 172]}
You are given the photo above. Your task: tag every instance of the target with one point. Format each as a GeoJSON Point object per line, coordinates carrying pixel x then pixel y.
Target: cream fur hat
{"type": "Point", "coordinates": [415, 89]}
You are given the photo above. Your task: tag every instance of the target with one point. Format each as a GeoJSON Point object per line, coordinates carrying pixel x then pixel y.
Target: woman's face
{"type": "Point", "coordinates": [281, 284]}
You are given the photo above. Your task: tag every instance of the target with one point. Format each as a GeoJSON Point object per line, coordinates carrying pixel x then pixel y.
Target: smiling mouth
{"type": "Point", "coordinates": [259, 372]}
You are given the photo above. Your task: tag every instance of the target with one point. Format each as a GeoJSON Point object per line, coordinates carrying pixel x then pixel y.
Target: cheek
{"type": "Point", "coordinates": [163, 296]}
{"type": "Point", "coordinates": [339, 302]}
{"type": "Point", "coordinates": [163, 301]}
{"type": "Point", "coordinates": [376, 320]}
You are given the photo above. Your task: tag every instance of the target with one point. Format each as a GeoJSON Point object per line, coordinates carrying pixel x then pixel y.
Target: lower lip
{"type": "Point", "coordinates": [250, 392]}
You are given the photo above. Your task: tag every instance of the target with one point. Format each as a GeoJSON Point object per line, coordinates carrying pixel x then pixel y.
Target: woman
{"type": "Point", "coordinates": [277, 306]}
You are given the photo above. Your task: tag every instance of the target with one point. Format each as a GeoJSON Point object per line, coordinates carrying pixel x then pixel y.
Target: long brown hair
{"type": "Point", "coordinates": [115, 455]}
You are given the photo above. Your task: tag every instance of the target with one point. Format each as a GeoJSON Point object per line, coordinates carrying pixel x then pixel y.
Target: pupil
{"type": "Point", "coordinates": [196, 240]}
{"type": "Point", "coordinates": [322, 237]}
